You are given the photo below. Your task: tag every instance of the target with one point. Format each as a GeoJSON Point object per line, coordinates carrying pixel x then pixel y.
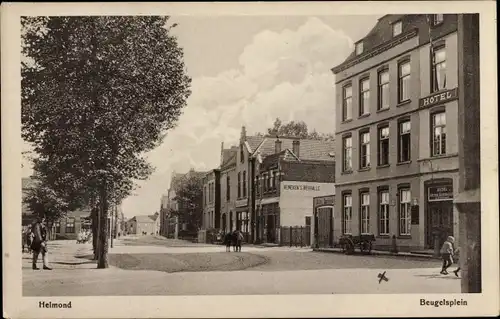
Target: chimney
{"type": "Point", "coordinates": [243, 136]}
{"type": "Point", "coordinates": [277, 145]}
{"type": "Point", "coordinates": [296, 148]}
{"type": "Point", "coordinates": [221, 153]}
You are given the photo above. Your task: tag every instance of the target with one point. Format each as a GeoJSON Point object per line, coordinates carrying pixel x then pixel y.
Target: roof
{"type": "Point", "coordinates": [254, 141]}
{"type": "Point", "coordinates": [229, 157]}
{"type": "Point", "coordinates": [176, 179]}
{"type": "Point", "coordinates": [142, 219]}
{"type": "Point", "coordinates": [309, 149]}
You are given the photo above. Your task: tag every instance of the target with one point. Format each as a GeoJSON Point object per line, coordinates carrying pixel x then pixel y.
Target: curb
{"type": "Point", "coordinates": [378, 253]}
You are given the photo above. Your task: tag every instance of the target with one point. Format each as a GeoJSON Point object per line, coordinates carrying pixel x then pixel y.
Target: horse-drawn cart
{"type": "Point", "coordinates": [364, 242]}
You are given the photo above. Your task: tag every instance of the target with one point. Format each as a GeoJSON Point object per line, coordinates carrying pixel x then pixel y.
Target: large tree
{"type": "Point", "coordinates": [189, 195]}
{"type": "Point", "coordinates": [97, 93]}
{"type": "Point", "coordinates": [297, 129]}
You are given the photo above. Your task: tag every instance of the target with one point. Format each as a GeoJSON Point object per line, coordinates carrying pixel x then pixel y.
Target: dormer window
{"type": "Point", "coordinates": [359, 48]}
{"type": "Point", "coordinates": [437, 19]}
{"type": "Point", "coordinates": [397, 28]}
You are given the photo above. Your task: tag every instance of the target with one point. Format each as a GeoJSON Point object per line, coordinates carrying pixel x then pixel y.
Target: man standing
{"type": "Point", "coordinates": [39, 244]}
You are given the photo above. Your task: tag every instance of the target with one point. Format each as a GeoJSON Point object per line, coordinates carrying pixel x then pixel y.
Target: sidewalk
{"type": "Point", "coordinates": [382, 253]}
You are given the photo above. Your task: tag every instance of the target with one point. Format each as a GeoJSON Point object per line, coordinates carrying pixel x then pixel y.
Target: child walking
{"type": "Point", "coordinates": [447, 254]}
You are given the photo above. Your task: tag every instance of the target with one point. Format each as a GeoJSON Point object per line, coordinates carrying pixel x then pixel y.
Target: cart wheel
{"type": "Point", "coordinates": [349, 247]}
{"type": "Point", "coordinates": [370, 247]}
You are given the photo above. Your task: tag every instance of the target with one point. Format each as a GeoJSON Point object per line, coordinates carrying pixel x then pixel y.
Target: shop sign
{"type": "Point", "coordinates": [440, 193]}
{"type": "Point", "coordinates": [241, 203]}
{"type": "Point", "coordinates": [324, 201]}
{"type": "Point", "coordinates": [301, 188]}
{"type": "Point", "coordinates": [440, 97]}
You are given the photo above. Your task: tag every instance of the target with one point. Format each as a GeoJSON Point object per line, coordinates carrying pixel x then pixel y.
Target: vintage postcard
{"type": "Point", "coordinates": [281, 159]}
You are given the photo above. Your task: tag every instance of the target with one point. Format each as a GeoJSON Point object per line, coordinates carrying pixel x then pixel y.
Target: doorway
{"type": "Point", "coordinates": [325, 226]}
{"type": "Point", "coordinates": [224, 223]}
{"type": "Point", "coordinates": [271, 228]}
{"type": "Point", "coordinates": [439, 222]}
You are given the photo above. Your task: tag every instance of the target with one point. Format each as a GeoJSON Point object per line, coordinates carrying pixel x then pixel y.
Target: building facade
{"type": "Point", "coordinates": [290, 173]}
{"type": "Point", "coordinates": [396, 133]}
{"type": "Point", "coordinates": [211, 200]}
{"type": "Point", "coordinates": [228, 190]}
{"type": "Point", "coordinates": [143, 225]}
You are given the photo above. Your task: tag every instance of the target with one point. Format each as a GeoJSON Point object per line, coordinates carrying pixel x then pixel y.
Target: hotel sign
{"type": "Point", "coordinates": [440, 97]}
{"type": "Point", "coordinates": [301, 188]}
{"type": "Point", "coordinates": [440, 193]}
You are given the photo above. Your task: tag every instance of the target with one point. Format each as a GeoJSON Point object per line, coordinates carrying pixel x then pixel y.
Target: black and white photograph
{"type": "Point", "coordinates": [245, 155]}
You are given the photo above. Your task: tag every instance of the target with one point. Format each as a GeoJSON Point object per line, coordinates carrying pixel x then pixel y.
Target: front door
{"type": "Point", "coordinates": [270, 228]}
{"type": "Point", "coordinates": [325, 229]}
{"type": "Point", "coordinates": [440, 222]}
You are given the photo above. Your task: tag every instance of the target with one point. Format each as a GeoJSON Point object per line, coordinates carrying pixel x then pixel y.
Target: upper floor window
{"type": "Point", "coordinates": [242, 154]}
{"type": "Point", "coordinates": [244, 183]}
{"type": "Point", "coordinates": [437, 19]}
{"type": "Point", "coordinates": [404, 81]}
{"type": "Point", "coordinates": [239, 184]}
{"type": "Point", "coordinates": [347, 103]}
{"type": "Point", "coordinates": [397, 28]}
{"type": "Point", "coordinates": [404, 212]}
{"type": "Point", "coordinates": [404, 154]}
{"type": "Point", "coordinates": [359, 48]}
{"type": "Point", "coordinates": [273, 180]}
{"type": "Point", "coordinates": [438, 134]}
{"type": "Point", "coordinates": [383, 145]}
{"type": "Point", "coordinates": [438, 80]}
{"type": "Point", "coordinates": [347, 148]}
{"type": "Point", "coordinates": [228, 188]}
{"type": "Point", "coordinates": [383, 89]}
{"type": "Point", "coordinates": [364, 96]}
{"type": "Point", "coordinates": [364, 153]}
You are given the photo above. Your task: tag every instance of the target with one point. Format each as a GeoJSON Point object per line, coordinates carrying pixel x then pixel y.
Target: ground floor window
{"type": "Point", "coordinates": [347, 214]}
{"type": "Point", "coordinates": [57, 227]}
{"type": "Point", "coordinates": [405, 212]}
{"type": "Point", "coordinates": [384, 213]}
{"type": "Point", "coordinates": [365, 213]}
{"type": "Point", "coordinates": [70, 225]}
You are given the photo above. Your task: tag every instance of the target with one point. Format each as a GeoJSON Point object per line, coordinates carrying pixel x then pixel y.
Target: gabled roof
{"type": "Point", "coordinates": [309, 149]}
{"type": "Point", "coordinates": [142, 219]}
{"type": "Point", "coordinates": [254, 142]}
{"type": "Point", "coordinates": [229, 156]}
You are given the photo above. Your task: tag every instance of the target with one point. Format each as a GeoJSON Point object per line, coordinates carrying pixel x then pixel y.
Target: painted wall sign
{"type": "Point", "coordinates": [241, 203]}
{"type": "Point", "coordinates": [440, 97]}
{"type": "Point", "coordinates": [301, 188]}
{"type": "Point", "coordinates": [324, 201]}
{"type": "Point", "coordinates": [440, 193]}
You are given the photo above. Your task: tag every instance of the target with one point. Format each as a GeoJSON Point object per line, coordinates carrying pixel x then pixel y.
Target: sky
{"type": "Point", "coordinates": [247, 70]}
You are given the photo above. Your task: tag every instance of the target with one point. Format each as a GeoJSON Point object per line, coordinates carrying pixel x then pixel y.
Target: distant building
{"type": "Point", "coordinates": [396, 133]}
{"type": "Point", "coordinates": [228, 189]}
{"type": "Point", "coordinates": [143, 225]}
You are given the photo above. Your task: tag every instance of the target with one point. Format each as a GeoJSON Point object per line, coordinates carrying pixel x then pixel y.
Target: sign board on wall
{"type": "Point", "coordinates": [440, 97]}
{"type": "Point", "coordinates": [324, 201]}
{"type": "Point", "coordinates": [440, 193]}
{"type": "Point", "coordinates": [312, 188]}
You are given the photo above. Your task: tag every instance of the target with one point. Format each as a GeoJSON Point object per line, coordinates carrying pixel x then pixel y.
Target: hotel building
{"type": "Point", "coordinates": [396, 133]}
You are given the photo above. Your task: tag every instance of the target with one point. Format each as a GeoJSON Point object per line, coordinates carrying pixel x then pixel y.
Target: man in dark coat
{"type": "Point", "coordinates": [39, 244]}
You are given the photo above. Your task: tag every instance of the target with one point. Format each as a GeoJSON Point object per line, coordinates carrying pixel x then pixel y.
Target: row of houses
{"type": "Point", "coordinates": [392, 170]}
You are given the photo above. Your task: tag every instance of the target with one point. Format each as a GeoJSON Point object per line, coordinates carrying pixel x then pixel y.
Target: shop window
{"type": "Point", "coordinates": [404, 69]}
{"type": "Point", "coordinates": [364, 153]}
{"type": "Point", "coordinates": [364, 96]}
{"type": "Point", "coordinates": [70, 225]}
{"type": "Point", "coordinates": [383, 89]}
{"type": "Point", "coordinates": [365, 213]}
{"type": "Point", "coordinates": [347, 103]}
{"type": "Point", "coordinates": [383, 145]}
{"type": "Point", "coordinates": [347, 214]}
{"type": "Point", "coordinates": [405, 212]}
{"type": "Point", "coordinates": [404, 153]}
{"type": "Point", "coordinates": [438, 71]}
{"type": "Point", "coordinates": [384, 212]}
{"type": "Point", "coordinates": [438, 133]}
{"type": "Point", "coordinates": [347, 150]}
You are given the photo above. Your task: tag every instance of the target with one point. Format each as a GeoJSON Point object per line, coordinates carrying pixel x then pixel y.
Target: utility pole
{"type": "Point", "coordinates": [468, 202]}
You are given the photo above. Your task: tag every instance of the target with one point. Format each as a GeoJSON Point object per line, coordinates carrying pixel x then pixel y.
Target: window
{"type": "Point", "coordinates": [239, 184]}
{"type": "Point", "coordinates": [383, 90]}
{"type": "Point", "coordinates": [347, 103]}
{"type": "Point", "coordinates": [244, 183]}
{"type": "Point", "coordinates": [364, 96]}
{"type": "Point", "coordinates": [404, 81]}
{"type": "Point", "coordinates": [347, 154]}
{"type": "Point", "coordinates": [364, 160]}
{"type": "Point", "coordinates": [438, 134]}
{"type": "Point", "coordinates": [404, 141]}
{"type": "Point", "coordinates": [242, 154]}
{"type": "Point", "coordinates": [384, 213]}
{"type": "Point", "coordinates": [57, 226]}
{"type": "Point", "coordinates": [257, 184]}
{"type": "Point", "coordinates": [365, 213]}
{"type": "Point", "coordinates": [266, 181]}
{"type": "Point", "coordinates": [383, 146]}
{"type": "Point", "coordinates": [347, 214]}
{"type": "Point", "coordinates": [70, 225]}
{"type": "Point", "coordinates": [205, 195]}
{"type": "Point", "coordinates": [228, 188]}
{"type": "Point", "coordinates": [397, 28]}
{"type": "Point", "coordinates": [273, 180]}
{"type": "Point", "coordinates": [359, 48]}
{"type": "Point", "coordinates": [437, 19]}
{"type": "Point", "coordinates": [404, 212]}
{"type": "Point", "coordinates": [438, 69]}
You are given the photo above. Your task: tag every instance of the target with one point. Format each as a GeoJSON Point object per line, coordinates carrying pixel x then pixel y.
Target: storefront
{"type": "Point", "coordinates": [270, 220]}
{"type": "Point", "coordinates": [323, 208]}
{"type": "Point", "coordinates": [439, 212]}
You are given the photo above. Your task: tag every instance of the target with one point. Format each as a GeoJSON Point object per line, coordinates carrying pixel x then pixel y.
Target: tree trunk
{"type": "Point", "coordinates": [111, 227]}
{"type": "Point", "coordinates": [94, 217]}
{"type": "Point", "coordinates": [103, 230]}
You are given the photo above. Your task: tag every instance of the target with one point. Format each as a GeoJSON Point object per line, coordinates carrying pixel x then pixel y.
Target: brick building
{"type": "Point", "coordinates": [144, 225]}
{"type": "Point", "coordinates": [228, 191]}
{"type": "Point", "coordinates": [396, 132]}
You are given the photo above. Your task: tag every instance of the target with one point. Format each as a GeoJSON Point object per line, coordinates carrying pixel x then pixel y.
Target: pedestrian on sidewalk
{"type": "Point", "coordinates": [39, 244]}
{"type": "Point", "coordinates": [457, 261]}
{"type": "Point", "coordinates": [447, 254]}
{"type": "Point", "coordinates": [227, 241]}
{"type": "Point", "coordinates": [239, 240]}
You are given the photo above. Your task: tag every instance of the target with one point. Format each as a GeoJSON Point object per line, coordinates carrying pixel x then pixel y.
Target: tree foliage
{"type": "Point", "coordinates": [189, 196]}
{"type": "Point", "coordinates": [97, 93]}
{"type": "Point", "coordinates": [296, 129]}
